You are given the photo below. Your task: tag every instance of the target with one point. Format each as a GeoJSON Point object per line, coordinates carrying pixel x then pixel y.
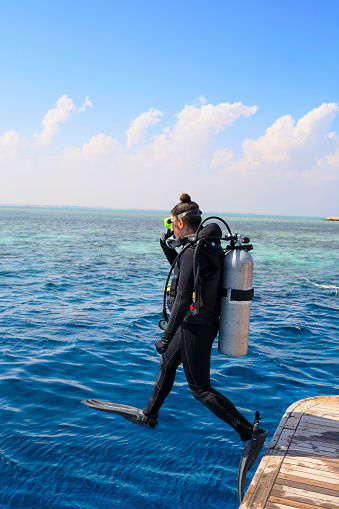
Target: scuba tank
{"type": "Point", "coordinates": [236, 290]}
{"type": "Point", "coordinates": [236, 296]}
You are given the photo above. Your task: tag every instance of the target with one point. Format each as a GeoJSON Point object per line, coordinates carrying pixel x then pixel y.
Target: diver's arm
{"type": "Point", "coordinates": [182, 301]}
{"type": "Point", "coordinates": [170, 254]}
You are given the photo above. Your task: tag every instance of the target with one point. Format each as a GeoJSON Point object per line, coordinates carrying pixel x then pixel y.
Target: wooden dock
{"type": "Point", "coordinates": [300, 469]}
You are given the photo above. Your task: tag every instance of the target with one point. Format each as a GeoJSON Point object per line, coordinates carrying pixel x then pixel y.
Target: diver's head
{"type": "Point", "coordinates": [185, 217]}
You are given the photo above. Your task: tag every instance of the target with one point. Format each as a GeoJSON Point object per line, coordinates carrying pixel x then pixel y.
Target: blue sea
{"type": "Point", "coordinates": [81, 297]}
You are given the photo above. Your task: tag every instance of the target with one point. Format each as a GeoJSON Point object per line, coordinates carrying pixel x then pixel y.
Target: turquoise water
{"type": "Point", "coordinates": [81, 296]}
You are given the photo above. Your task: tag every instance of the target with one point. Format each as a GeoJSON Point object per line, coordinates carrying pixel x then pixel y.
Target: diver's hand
{"type": "Point", "coordinates": [166, 236]}
{"type": "Point", "coordinates": [161, 345]}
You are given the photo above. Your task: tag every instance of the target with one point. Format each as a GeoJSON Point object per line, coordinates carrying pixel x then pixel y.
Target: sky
{"type": "Point", "coordinates": [128, 104]}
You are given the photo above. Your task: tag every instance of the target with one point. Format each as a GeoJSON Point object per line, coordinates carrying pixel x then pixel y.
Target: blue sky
{"type": "Point", "coordinates": [195, 96]}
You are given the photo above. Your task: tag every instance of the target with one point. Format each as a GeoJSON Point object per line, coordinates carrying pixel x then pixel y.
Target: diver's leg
{"type": "Point", "coordinates": [196, 346]}
{"type": "Point", "coordinates": [169, 362]}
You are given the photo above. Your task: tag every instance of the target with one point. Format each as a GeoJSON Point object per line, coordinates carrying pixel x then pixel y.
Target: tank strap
{"type": "Point", "coordinates": [174, 283]}
{"type": "Point", "coordinates": [239, 295]}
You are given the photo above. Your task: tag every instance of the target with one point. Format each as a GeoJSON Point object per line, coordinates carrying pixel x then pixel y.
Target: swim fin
{"type": "Point", "coordinates": [250, 453]}
{"type": "Point", "coordinates": [130, 413]}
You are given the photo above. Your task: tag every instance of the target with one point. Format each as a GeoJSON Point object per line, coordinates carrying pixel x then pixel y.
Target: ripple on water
{"type": "Point", "coordinates": [81, 300]}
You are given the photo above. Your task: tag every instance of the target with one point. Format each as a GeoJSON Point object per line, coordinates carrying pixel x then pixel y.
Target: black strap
{"type": "Point", "coordinates": [174, 283]}
{"type": "Point", "coordinates": [239, 295]}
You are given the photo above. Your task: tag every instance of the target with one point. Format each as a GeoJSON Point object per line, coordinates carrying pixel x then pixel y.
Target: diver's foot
{"type": "Point", "coordinates": [250, 453]}
{"type": "Point", "coordinates": [130, 413]}
{"type": "Point", "coordinates": [256, 444]}
{"type": "Point", "coordinates": [149, 421]}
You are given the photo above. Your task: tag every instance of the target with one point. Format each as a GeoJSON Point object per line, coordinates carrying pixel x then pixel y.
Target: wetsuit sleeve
{"type": "Point", "coordinates": [183, 297]}
{"type": "Point", "coordinates": [170, 254]}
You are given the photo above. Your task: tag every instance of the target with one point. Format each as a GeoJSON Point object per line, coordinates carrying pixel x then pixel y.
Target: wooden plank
{"type": "Point", "coordinates": [317, 428]}
{"type": "Point", "coordinates": [283, 503]}
{"type": "Point", "coordinates": [295, 454]}
{"type": "Point", "coordinates": [255, 480]}
{"type": "Point", "coordinates": [308, 472]}
{"type": "Point", "coordinates": [331, 439]}
{"type": "Point", "coordinates": [262, 482]}
{"type": "Point", "coordinates": [300, 468]}
{"type": "Point", "coordinates": [317, 418]}
{"type": "Point", "coordinates": [291, 493]}
{"type": "Point", "coordinates": [317, 449]}
{"type": "Point", "coordinates": [318, 422]}
{"type": "Point", "coordinates": [324, 415]}
{"type": "Point", "coordinates": [286, 422]}
{"type": "Point", "coordinates": [312, 482]}
{"type": "Point", "coordinates": [331, 405]}
{"type": "Point", "coordinates": [321, 410]}
{"type": "Point", "coordinates": [314, 420]}
{"type": "Point", "coordinates": [323, 431]}
{"type": "Point", "coordinates": [313, 463]}
{"type": "Point", "coordinates": [327, 408]}
{"type": "Point", "coordinates": [307, 487]}
{"type": "Point", "coordinates": [298, 450]}
{"type": "Point", "coordinates": [324, 411]}
{"type": "Point", "coordinates": [275, 503]}
{"type": "Point", "coordinates": [313, 438]}
{"type": "Point", "coordinates": [284, 440]}
{"type": "Point", "coordinates": [320, 441]}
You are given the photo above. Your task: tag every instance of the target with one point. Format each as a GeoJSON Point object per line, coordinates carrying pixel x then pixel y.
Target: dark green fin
{"type": "Point", "coordinates": [250, 453]}
{"type": "Point", "coordinates": [130, 413]}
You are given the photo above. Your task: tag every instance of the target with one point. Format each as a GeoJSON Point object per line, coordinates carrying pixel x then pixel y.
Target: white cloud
{"type": "Point", "coordinates": [64, 110]}
{"type": "Point", "coordinates": [200, 100]}
{"type": "Point", "coordinates": [84, 106]}
{"type": "Point", "coordinates": [284, 138]}
{"type": "Point", "coordinates": [326, 169]}
{"type": "Point", "coordinates": [289, 148]}
{"type": "Point", "coordinates": [221, 158]}
{"type": "Point", "coordinates": [100, 146]}
{"type": "Point", "coordinates": [139, 126]}
{"type": "Point", "coordinates": [292, 169]}
{"type": "Point", "coordinates": [99, 153]}
{"type": "Point", "coordinates": [186, 145]}
{"type": "Point", "coordinates": [208, 119]}
{"type": "Point", "coordinates": [11, 140]}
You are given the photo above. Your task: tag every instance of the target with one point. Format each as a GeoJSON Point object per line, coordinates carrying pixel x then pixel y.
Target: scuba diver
{"type": "Point", "coordinates": [190, 331]}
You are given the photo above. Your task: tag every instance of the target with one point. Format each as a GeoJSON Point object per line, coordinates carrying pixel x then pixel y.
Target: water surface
{"type": "Point", "coordinates": [81, 296]}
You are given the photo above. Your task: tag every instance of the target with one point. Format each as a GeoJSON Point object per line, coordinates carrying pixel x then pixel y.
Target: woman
{"type": "Point", "coordinates": [191, 329]}
{"type": "Point", "coordinates": [189, 335]}
{"type": "Point", "coordinates": [188, 338]}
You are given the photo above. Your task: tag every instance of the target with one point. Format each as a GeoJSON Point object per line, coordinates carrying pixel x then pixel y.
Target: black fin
{"type": "Point", "coordinates": [250, 453]}
{"type": "Point", "coordinates": [130, 413]}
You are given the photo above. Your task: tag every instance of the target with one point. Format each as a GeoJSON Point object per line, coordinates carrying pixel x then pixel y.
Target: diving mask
{"type": "Point", "coordinates": [168, 223]}
{"type": "Point", "coordinates": [168, 220]}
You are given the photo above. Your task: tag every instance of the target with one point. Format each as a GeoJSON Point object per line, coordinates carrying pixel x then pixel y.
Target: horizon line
{"type": "Point", "coordinates": [133, 209]}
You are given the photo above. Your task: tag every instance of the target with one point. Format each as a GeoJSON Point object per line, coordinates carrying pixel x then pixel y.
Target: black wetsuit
{"type": "Point", "coordinates": [191, 337]}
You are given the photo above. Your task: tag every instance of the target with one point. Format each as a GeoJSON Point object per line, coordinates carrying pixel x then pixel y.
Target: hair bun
{"type": "Point", "coordinates": [185, 198]}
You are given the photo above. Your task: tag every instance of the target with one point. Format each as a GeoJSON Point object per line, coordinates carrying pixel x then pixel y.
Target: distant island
{"type": "Point", "coordinates": [332, 218]}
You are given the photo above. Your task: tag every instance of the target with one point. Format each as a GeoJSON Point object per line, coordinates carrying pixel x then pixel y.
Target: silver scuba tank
{"type": "Point", "coordinates": [237, 293]}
